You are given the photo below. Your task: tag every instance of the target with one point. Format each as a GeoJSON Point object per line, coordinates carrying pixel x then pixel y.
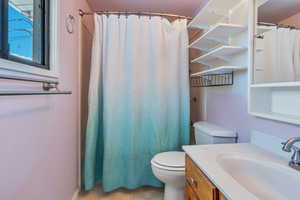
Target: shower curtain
{"type": "Point", "coordinates": [138, 98]}
{"type": "Point", "coordinates": [284, 70]}
{"type": "Point", "coordinates": [279, 55]}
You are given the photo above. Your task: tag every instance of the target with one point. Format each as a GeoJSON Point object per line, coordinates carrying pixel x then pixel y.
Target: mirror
{"type": "Point", "coordinates": [277, 42]}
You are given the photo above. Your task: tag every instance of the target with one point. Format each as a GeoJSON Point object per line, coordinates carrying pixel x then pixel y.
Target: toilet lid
{"type": "Point", "coordinates": [172, 159]}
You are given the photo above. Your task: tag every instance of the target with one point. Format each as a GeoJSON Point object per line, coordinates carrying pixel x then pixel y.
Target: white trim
{"type": "Point", "coordinates": [218, 70]}
{"type": "Point", "coordinates": [251, 28]}
{"type": "Point", "coordinates": [8, 67]}
{"type": "Point", "coordinates": [55, 37]}
{"type": "Point", "coordinates": [274, 85]}
{"type": "Point", "coordinates": [290, 119]}
{"type": "Point", "coordinates": [204, 104]}
{"type": "Point", "coordinates": [76, 195]}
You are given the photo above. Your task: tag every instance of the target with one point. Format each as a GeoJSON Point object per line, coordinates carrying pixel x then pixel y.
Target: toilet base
{"type": "Point", "coordinates": [172, 175]}
{"type": "Point", "coordinates": [173, 193]}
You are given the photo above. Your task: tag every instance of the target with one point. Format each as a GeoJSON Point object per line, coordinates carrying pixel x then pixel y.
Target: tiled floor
{"type": "Point", "coordinates": [145, 193]}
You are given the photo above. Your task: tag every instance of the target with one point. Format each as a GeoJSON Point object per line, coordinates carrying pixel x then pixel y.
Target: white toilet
{"type": "Point", "coordinates": [169, 167]}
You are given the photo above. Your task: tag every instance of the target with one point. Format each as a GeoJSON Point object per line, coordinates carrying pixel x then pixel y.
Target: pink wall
{"type": "Point", "coordinates": [293, 21]}
{"type": "Point", "coordinates": [39, 134]}
{"type": "Point", "coordinates": [227, 106]}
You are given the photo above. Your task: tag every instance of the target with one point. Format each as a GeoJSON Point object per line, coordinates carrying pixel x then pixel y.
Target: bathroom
{"type": "Point", "coordinates": [149, 100]}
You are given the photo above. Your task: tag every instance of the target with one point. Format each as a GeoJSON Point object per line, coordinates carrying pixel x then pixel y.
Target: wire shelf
{"type": "Point", "coordinates": [212, 80]}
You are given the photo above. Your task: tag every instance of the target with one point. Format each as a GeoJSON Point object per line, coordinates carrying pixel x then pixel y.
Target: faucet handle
{"type": "Point", "coordinates": [295, 160]}
{"type": "Point", "coordinates": [284, 147]}
{"type": "Point", "coordinates": [289, 146]}
{"type": "Point", "coordinates": [293, 147]}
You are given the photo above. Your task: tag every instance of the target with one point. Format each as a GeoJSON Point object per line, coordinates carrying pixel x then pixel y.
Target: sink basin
{"type": "Point", "coordinates": [266, 180]}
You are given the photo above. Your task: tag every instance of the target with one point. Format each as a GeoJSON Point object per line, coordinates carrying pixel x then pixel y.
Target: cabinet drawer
{"type": "Point", "coordinates": [189, 193]}
{"type": "Point", "coordinates": [202, 187]}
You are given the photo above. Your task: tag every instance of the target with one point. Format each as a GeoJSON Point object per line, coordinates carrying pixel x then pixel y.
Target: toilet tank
{"type": "Point", "coordinates": [208, 133]}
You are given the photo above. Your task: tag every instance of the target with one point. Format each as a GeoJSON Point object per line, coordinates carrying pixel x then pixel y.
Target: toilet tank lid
{"type": "Point", "coordinates": [214, 130]}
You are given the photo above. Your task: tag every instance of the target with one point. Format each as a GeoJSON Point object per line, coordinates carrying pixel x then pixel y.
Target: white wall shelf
{"type": "Point", "coordinates": [276, 85]}
{"type": "Point", "coordinates": [204, 44]}
{"type": "Point", "coordinates": [223, 43]}
{"type": "Point", "coordinates": [277, 101]}
{"type": "Point", "coordinates": [278, 117]}
{"type": "Point", "coordinates": [222, 52]}
{"type": "Point", "coordinates": [214, 12]}
{"type": "Point", "coordinates": [220, 33]}
{"type": "Point", "coordinates": [218, 70]}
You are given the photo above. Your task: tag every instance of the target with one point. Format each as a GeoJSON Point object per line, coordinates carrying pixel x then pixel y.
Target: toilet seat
{"type": "Point", "coordinates": [171, 161]}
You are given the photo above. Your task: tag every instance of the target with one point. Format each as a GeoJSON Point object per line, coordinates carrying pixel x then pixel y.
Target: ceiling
{"type": "Point", "coordinates": [277, 10]}
{"type": "Point", "coordinates": [179, 7]}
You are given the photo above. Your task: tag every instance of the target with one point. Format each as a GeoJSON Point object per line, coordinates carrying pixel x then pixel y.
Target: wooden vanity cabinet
{"type": "Point", "coordinates": [189, 193]}
{"type": "Point", "coordinates": [198, 186]}
{"type": "Point", "coordinates": [221, 196]}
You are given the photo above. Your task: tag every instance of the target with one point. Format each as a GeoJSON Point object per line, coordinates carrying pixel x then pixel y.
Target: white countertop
{"type": "Point", "coordinates": [205, 157]}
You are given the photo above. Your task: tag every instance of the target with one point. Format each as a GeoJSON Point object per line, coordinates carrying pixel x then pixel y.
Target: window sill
{"type": "Point", "coordinates": [9, 67]}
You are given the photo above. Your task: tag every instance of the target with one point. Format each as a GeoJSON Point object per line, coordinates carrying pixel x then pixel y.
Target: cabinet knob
{"type": "Point", "coordinates": [192, 180]}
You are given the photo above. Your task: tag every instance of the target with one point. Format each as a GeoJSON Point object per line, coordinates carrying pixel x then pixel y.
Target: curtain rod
{"type": "Point", "coordinates": [277, 25]}
{"type": "Point", "coordinates": [82, 13]}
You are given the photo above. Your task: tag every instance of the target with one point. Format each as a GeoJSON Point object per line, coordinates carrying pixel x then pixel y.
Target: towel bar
{"type": "Point", "coordinates": [47, 86]}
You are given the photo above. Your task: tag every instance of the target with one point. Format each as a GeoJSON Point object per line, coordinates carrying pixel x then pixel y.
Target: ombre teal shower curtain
{"type": "Point", "coordinates": [138, 98]}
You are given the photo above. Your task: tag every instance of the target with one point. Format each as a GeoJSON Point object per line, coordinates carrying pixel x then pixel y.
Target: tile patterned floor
{"type": "Point", "coordinates": [144, 193]}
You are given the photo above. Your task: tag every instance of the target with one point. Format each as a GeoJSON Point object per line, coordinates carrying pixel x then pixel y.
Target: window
{"type": "Point", "coordinates": [24, 33]}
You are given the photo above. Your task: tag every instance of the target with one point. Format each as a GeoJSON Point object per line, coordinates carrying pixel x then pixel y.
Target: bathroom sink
{"type": "Point", "coordinates": [266, 180]}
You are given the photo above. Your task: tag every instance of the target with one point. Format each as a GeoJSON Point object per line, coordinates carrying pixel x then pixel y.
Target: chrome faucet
{"type": "Point", "coordinates": [288, 146]}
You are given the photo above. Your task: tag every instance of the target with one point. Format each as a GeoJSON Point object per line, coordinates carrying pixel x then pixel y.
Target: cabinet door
{"type": "Point", "coordinates": [189, 194]}
{"type": "Point", "coordinates": [199, 183]}
{"type": "Point", "coordinates": [221, 196]}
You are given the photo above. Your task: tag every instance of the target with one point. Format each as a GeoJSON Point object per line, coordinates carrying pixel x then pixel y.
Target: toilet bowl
{"type": "Point", "coordinates": [169, 168]}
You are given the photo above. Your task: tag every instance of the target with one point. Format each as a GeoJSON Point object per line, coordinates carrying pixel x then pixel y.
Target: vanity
{"type": "Point", "coordinates": [197, 185]}
{"type": "Point", "coordinates": [251, 171]}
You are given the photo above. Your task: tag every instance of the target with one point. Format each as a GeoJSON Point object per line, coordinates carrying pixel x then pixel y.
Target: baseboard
{"type": "Point", "coordinates": [75, 195]}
